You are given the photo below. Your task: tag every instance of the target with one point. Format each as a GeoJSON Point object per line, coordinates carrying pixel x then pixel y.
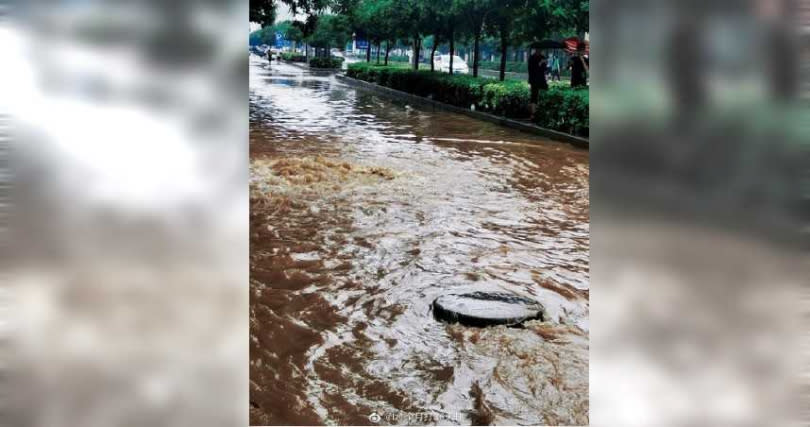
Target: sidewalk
{"type": "Point", "coordinates": [524, 126]}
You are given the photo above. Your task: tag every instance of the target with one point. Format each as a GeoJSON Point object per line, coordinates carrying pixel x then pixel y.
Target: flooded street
{"type": "Point", "coordinates": [363, 212]}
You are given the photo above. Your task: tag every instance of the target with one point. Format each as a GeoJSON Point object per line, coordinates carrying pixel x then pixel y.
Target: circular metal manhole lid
{"type": "Point", "coordinates": [486, 309]}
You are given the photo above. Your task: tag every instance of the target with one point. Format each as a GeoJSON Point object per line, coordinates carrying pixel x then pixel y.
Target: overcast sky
{"type": "Point", "coordinates": [283, 13]}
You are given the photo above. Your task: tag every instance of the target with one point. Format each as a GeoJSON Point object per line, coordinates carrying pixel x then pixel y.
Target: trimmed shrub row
{"type": "Point", "coordinates": [293, 57]}
{"type": "Point", "coordinates": [332, 62]}
{"type": "Point", "coordinates": [562, 109]}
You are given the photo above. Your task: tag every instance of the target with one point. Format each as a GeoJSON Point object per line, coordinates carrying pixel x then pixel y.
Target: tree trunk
{"type": "Point", "coordinates": [379, 46]}
{"type": "Point", "coordinates": [433, 51]}
{"type": "Point", "coordinates": [475, 52]}
{"type": "Point", "coordinates": [417, 46]}
{"type": "Point", "coordinates": [504, 45]}
{"type": "Point", "coordinates": [452, 48]}
{"type": "Point", "coordinates": [368, 51]}
{"type": "Point", "coordinates": [306, 51]}
{"type": "Point", "coordinates": [387, 51]}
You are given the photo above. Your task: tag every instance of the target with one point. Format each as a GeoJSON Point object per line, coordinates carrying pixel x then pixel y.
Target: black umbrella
{"type": "Point", "coordinates": [547, 44]}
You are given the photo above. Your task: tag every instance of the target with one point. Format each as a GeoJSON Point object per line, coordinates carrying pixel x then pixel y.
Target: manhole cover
{"type": "Point", "coordinates": [486, 309]}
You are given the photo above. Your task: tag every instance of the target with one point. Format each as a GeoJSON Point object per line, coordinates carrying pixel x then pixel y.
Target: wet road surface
{"type": "Point", "coordinates": [364, 211]}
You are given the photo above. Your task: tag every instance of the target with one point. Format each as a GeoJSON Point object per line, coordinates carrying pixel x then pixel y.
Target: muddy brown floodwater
{"type": "Point", "coordinates": [365, 210]}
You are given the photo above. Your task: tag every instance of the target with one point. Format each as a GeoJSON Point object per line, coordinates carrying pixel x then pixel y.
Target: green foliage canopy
{"type": "Point", "coordinates": [330, 31]}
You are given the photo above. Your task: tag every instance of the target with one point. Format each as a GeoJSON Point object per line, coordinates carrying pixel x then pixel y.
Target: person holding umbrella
{"type": "Point", "coordinates": [537, 78]}
{"type": "Point", "coordinates": [538, 67]}
{"type": "Point", "coordinates": [579, 66]}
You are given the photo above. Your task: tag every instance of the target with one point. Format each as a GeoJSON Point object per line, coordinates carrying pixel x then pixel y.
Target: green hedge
{"type": "Point", "coordinates": [293, 57]}
{"type": "Point", "coordinates": [333, 62]}
{"type": "Point", "coordinates": [561, 109]}
{"type": "Point", "coordinates": [565, 109]}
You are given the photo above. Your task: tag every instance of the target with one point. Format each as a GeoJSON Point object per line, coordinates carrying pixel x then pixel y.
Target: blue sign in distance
{"type": "Point", "coordinates": [361, 43]}
{"type": "Point", "coordinates": [279, 40]}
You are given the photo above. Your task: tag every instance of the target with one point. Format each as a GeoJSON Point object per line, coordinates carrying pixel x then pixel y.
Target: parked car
{"type": "Point", "coordinates": [442, 63]}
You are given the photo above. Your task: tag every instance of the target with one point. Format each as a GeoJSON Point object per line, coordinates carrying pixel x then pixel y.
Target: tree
{"type": "Point", "coordinates": [289, 31]}
{"type": "Point", "coordinates": [266, 35]}
{"type": "Point", "coordinates": [388, 30]}
{"type": "Point", "coordinates": [473, 14]}
{"type": "Point", "coordinates": [262, 12]}
{"type": "Point", "coordinates": [579, 16]}
{"type": "Point", "coordinates": [353, 11]}
{"type": "Point", "coordinates": [453, 19]}
{"type": "Point", "coordinates": [376, 21]}
{"type": "Point", "coordinates": [433, 41]}
{"type": "Point", "coordinates": [437, 21]}
{"type": "Point", "coordinates": [409, 20]}
{"type": "Point", "coordinates": [501, 23]}
{"type": "Point", "coordinates": [367, 20]}
{"type": "Point", "coordinates": [330, 30]}
{"type": "Point", "coordinates": [547, 18]}
{"type": "Point", "coordinates": [310, 7]}
{"type": "Point", "coordinates": [255, 38]}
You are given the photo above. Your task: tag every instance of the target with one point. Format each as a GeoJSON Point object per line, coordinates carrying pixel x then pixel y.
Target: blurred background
{"type": "Point", "coordinates": [124, 131]}
{"type": "Point", "coordinates": [700, 196]}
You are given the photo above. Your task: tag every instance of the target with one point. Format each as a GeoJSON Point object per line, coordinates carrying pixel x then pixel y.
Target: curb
{"type": "Point", "coordinates": [576, 141]}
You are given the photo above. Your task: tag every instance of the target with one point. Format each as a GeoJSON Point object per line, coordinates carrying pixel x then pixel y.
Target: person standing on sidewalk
{"type": "Point", "coordinates": [579, 66]}
{"type": "Point", "coordinates": [537, 78]}
{"type": "Point", "coordinates": [555, 67]}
